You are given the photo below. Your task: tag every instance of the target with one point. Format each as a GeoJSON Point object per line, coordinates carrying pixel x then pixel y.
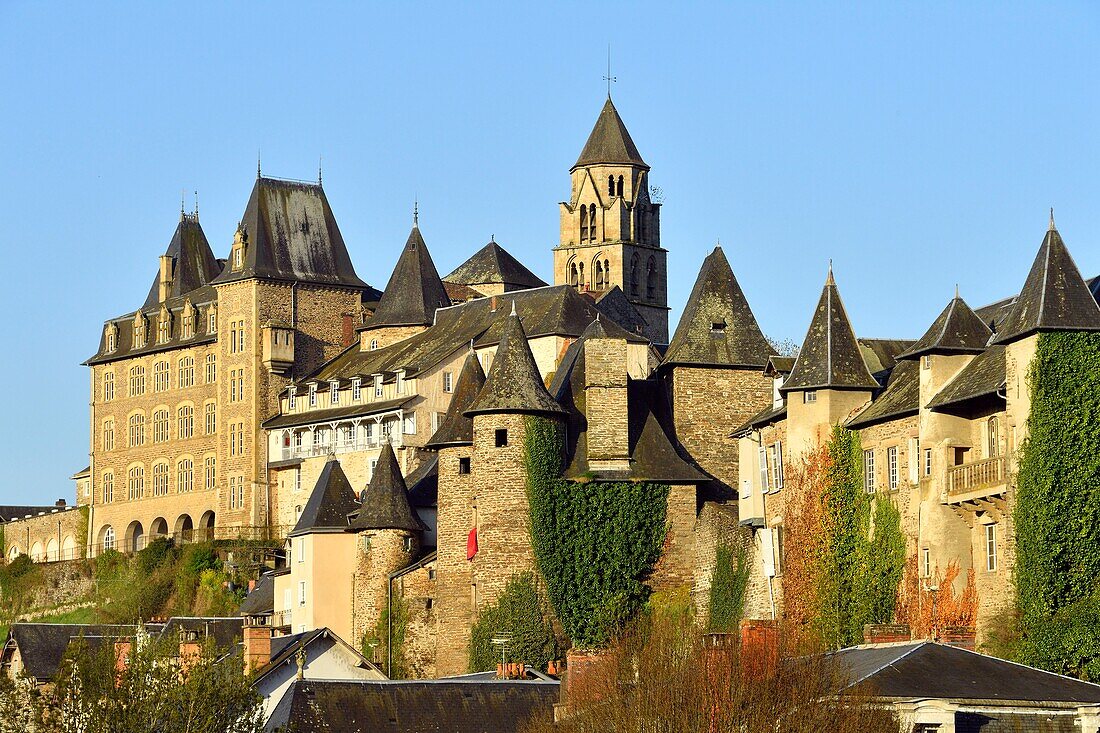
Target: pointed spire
{"type": "Point", "coordinates": [957, 330]}
{"type": "Point", "coordinates": [456, 428]}
{"type": "Point", "coordinates": [195, 263]}
{"type": "Point", "coordinates": [416, 213]}
{"type": "Point", "coordinates": [386, 499]}
{"type": "Point", "coordinates": [609, 141]}
{"type": "Point", "coordinates": [513, 307]}
{"type": "Point", "coordinates": [1054, 298]}
{"type": "Point", "coordinates": [514, 383]}
{"type": "Point", "coordinates": [414, 291]}
{"type": "Point", "coordinates": [717, 327]}
{"type": "Point", "coordinates": [183, 197]}
{"type": "Point", "coordinates": [330, 502]}
{"type": "Point", "coordinates": [320, 160]}
{"type": "Point", "coordinates": [258, 175]}
{"type": "Point", "coordinates": [830, 357]}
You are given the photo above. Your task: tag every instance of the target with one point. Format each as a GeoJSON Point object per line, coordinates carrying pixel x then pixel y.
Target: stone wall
{"type": "Point", "coordinates": [454, 584]}
{"type": "Point", "coordinates": [377, 554]}
{"type": "Point", "coordinates": [60, 534]}
{"type": "Point", "coordinates": [417, 589]}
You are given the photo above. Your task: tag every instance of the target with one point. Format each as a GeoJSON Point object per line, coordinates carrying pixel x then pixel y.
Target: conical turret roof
{"type": "Point", "coordinates": [193, 262]}
{"type": "Point", "coordinates": [830, 356]}
{"type": "Point", "coordinates": [414, 291]}
{"type": "Point", "coordinates": [330, 502]}
{"type": "Point", "coordinates": [457, 428]}
{"type": "Point", "coordinates": [492, 264]}
{"type": "Point", "coordinates": [957, 330]}
{"type": "Point", "coordinates": [513, 383]}
{"type": "Point", "coordinates": [386, 500]}
{"type": "Point", "coordinates": [1054, 297]}
{"type": "Point", "coordinates": [717, 327]}
{"type": "Point", "coordinates": [609, 141]}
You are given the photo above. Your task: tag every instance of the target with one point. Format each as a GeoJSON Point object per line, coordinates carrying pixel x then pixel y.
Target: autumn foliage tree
{"type": "Point", "coordinates": [931, 605]}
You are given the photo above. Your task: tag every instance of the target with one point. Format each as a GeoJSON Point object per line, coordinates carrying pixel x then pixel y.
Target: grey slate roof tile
{"type": "Point", "coordinates": [492, 264]}
{"type": "Point", "coordinates": [609, 141]}
{"type": "Point", "coordinates": [329, 504]}
{"type": "Point", "coordinates": [385, 502]}
{"type": "Point", "coordinates": [194, 263]}
{"type": "Point", "coordinates": [957, 330]}
{"type": "Point", "coordinates": [514, 383]}
{"type": "Point", "coordinates": [979, 380]}
{"type": "Point", "coordinates": [414, 291]}
{"type": "Point", "coordinates": [457, 428]}
{"type": "Point", "coordinates": [901, 397]}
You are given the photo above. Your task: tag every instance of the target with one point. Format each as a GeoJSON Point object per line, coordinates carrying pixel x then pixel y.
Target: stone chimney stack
{"type": "Point", "coordinates": [165, 280]}
{"type": "Point", "coordinates": [605, 394]}
{"type": "Point", "coordinates": [257, 644]}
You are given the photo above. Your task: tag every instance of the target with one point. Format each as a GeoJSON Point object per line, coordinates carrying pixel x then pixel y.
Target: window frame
{"type": "Point", "coordinates": [991, 559]}
{"type": "Point", "coordinates": [869, 471]}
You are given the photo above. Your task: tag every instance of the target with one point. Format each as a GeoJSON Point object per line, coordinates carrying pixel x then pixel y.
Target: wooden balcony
{"type": "Point", "coordinates": [977, 487]}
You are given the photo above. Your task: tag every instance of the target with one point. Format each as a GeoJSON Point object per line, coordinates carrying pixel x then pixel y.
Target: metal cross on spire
{"type": "Point", "coordinates": [609, 78]}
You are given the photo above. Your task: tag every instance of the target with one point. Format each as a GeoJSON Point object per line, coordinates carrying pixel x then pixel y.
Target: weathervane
{"type": "Point", "coordinates": [609, 78]}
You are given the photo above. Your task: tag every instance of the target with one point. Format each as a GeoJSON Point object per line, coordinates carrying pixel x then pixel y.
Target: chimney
{"type": "Point", "coordinates": [348, 334]}
{"type": "Point", "coordinates": [60, 504]}
{"type": "Point", "coordinates": [605, 394]}
{"type": "Point", "coordinates": [965, 637]}
{"type": "Point", "coordinates": [493, 304]}
{"type": "Point", "coordinates": [257, 643]}
{"type": "Point", "coordinates": [759, 647]}
{"type": "Point", "coordinates": [190, 648]}
{"type": "Point", "coordinates": [589, 677]}
{"type": "Point", "coordinates": [164, 289]}
{"type": "Point", "coordinates": [251, 585]}
{"type": "Point", "coordinates": [886, 633]}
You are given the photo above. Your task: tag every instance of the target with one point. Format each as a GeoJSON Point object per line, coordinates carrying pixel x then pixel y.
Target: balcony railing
{"type": "Point", "coordinates": [978, 475]}
{"type": "Point", "coordinates": [323, 449]}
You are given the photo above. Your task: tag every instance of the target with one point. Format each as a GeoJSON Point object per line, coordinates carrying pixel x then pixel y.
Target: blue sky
{"type": "Point", "coordinates": [916, 144]}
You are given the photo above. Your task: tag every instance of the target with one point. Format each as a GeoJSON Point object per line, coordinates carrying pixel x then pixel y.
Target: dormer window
{"type": "Point", "coordinates": [188, 325]}
{"type": "Point", "coordinates": [718, 327]}
{"type": "Point", "coordinates": [334, 392]}
{"type": "Point", "coordinates": [373, 344]}
{"type": "Point", "coordinates": [400, 382]}
{"type": "Point", "coordinates": [111, 338]}
{"type": "Point", "coordinates": [212, 318]}
{"type": "Point", "coordinates": [313, 395]}
{"type": "Point", "coordinates": [291, 397]}
{"type": "Point", "coordinates": [164, 330]}
{"type": "Point", "coordinates": [378, 386]}
{"type": "Point", "coordinates": [140, 325]}
{"type": "Point", "coordinates": [240, 241]}
{"type": "Point", "coordinates": [356, 389]}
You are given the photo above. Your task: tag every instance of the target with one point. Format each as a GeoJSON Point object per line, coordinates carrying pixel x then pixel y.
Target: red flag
{"type": "Point", "coordinates": [471, 544]}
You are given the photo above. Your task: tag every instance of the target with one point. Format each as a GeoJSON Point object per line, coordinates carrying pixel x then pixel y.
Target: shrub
{"type": "Point", "coordinates": [727, 589]}
{"type": "Point", "coordinates": [522, 614]}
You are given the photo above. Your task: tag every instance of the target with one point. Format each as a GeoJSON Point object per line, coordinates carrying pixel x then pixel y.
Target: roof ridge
{"type": "Point", "coordinates": [1018, 664]}
{"type": "Point", "coordinates": [917, 644]}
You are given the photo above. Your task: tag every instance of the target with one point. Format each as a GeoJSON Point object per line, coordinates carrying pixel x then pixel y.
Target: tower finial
{"type": "Point", "coordinates": [183, 196]}
{"type": "Point", "coordinates": [830, 280]}
{"type": "Point", "coordinates": [416, 213]}
{"type": "Point", "coordinates": [257, 163]}
{"type": "Point", "coordinates": [196, 205]}
{"type": "Point", "coordinates": [1052, 218]}
{"type": "Point", "coordinates": [609, 78]}
{"type": "Point", "coordinates": [320, 160]}
{"type": "Point", "coordinates": [513, 307]}
{"type": "Point", "coordinates": [956, 291]}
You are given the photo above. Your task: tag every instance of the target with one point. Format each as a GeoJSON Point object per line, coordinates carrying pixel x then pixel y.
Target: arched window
{"type": "Point", "coordinates": [160, 479]}
{"type": "Point", "coordinates": [580, 274]}
{"type": "Point", "coordinates": [584, 223]}
{"type": "Point", "coordinates": [573, 274]}
{"type": "Point", "coordinates": [109, 538]}
{"type": "Point", "coordinates": [611, 186]}
{"type": "Point", "coordinates": [607, 273]}
{"type": "Point", "coordinates": [137, 381]}
{"type": "Point", "coordinates": [108, 386]}
{"type": "Point", "coordinates": [211, 368]}
{"type": "Point", "coordinates": [137, 429]}
{"type": "Point", "coordinates": [187, 372]}
{"type": "Point", "coordinates": [185, 476]}
{"type": "Point", "coordinates": [993, 437]}
{"type": "Point", "coordinates": [598, 269]}
{"type": "Point", "coordinates": [109, 434]}
{"type": "Point", "coordinates": [210, 472]}
{"type": "Point", "coordinates": [108, 487]}
{"type": "Point", "coordinates": [620, 187]}
{"type": "Point", "coordinates": [135, 482]}
{"type": "Point", "coordinates": [634, 275]}
{"type": "Point", "coordinates": [111, 338]}
{"type": "Point", "coordinates": [373, 344]}
{"type": "Point", "coordinates": [651, 279]}
{"type": "Point", "coordinates": [592, 222]}
{"type": "Point", "coordinates": [160, 376]}
{"type": "Point", "coordinates": [186, 422]}
{"type": "Point", "coordinates": [160, 426]}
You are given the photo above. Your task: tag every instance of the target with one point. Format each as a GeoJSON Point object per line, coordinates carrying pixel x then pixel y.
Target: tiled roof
{"type": "Point", "coordinates": [1054, 298]}
{"type": "Point", "coordinates": [385, 502]}
{"type": "Point", "coordinates": [767, 416]}
{"type": "Point", "coordinates": [193, 263]}
{"type": "Point", "coordinates": [292, 235]}
{"type": "Point", "coordinates": [330, 502]}
{"type": "Point", "coordinates": [226, 632]}
{"type": "Point", "coordinates": [261, 600]}
{"type": "Point", "coordinates": [717, 327]}
{"type": "Point", "coordinates": [957, 330]}
{"type": "Point", "coordinates": [293, 419]}
{"type": "Point", "coordinates": [900, 398]}
{"type": "Point", "coordinates": [42, 646]}
{"type": "Point", "coordinates": [457, 428]}
{"type": "Point", "coordinates": [492, 264]}
{"type": "Point", "coordinates": [609, 141]}
{"type": "Point", "coordinates": [423, 482]}
{"type": "Point", "coordinates": [830, 356]}
{"type": "Point", "coordinates": [414, 291]}
{"type": "Point", "coordinates": [982, 378]}
{"type": "Point", "coordinates": [514, 383]}
{"type": "Point", "coordinates": [615, 305]}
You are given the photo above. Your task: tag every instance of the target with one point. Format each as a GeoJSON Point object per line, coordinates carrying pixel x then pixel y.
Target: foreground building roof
{"type": "Point", "coordinates": [330, 503]}
{"type": "Point", "coordinates": [717, 327]}
{"type": "Point", "coordinates": [292, 235]}
{"type": "Point", "coordinates": [492, 264]}
{"type": "Point", "coordinates": [457, 428]}
{"type": "Point", "coordinates": [514, 383]}
{"type": "Point", "coordinates": [957, 330]}
{"type": "Point", "coordinates": [414, 291]}
{"type": "Point", "coordinates": [385, 502]}
{"type": "Point", "coordinates": [609, 141]}
{"type": "Point", "coordinates": [979, 382]}
{"type": "Point", "coordinates": [830, 356]}
{"type": "Point", "coordinates": [1054, 298]}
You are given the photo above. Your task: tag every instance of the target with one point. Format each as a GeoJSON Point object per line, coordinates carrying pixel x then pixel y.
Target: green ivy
{"type": "Point", "coordinates": [884, 564]}
{"type": "Point", "coordinates": [1057, 513]}
{"type": "Point", "coordinates": [521, 613]}
{"type": "Point", "coordinates": [727, 589]}
{"type": "Point", "coordinates": [375, 642]}
{"type": "Point", "coordinates": [595, 542]}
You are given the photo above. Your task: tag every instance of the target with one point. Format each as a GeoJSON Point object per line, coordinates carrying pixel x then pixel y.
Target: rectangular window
{"type": "Point", "coordinates": [108, 386]}
{"type": "Point", "coordinates": [914, 460]}
{"type": "Point", "coordinates": [313, 395]}
{"type": "Point", "coordinates": [301, 592]}
{"type": "Point", "coordinates": [211, 473]}
{"type": "Point", "coordinates": [892, 466]}
{"type": "Point", "coordinates": [211, 368]}
{"type": "Point", "coordinates": [927, 461]}
{"type": "Point", "coordinates": [869, 471]}
{"type": "Point", "coordinates": [410, 424]}
{"type": "Point", "coordinates": [108, 487]}
{"type": "Point", "coordinates": [356, 389]}
{"type": "Point", "coordinates": [291, 398]}
{"type": "Point", "coordinates": [775, 458]}
{"type": "Point", "coordinates": [991, 547]}
{"type": "Point", "coordinates": [211, 418]}
{"type": "Point", "coordinates": [809, 396]}
{"type": "Point", "coordinates": [109, 434]}
{"type": "Point", "coordinates": [211, 320]}
{"type": "Point", "coordinates": [448, 381]}
{"type": "Point", "coordinates": [301, 550]}
{"type": "Point", "coordinates": [400, 383]}
{"type": "Point", "coordinates": [298, 479]}
{"type": "Point", "coordinates": [926, 562]}
{"type": "Point", "coordinates": [334, 392]}
{"type": "Point", "coordinates": [762, 462]}
{"type": "Point", "coordinates": [463, 465]}
{"type": "Point", "coordinates": [378, 386]}
{"type": "Point", "coordinates": [501, 437]}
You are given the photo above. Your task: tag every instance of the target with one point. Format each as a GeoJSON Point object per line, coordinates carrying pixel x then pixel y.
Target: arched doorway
{"type": "Point", "coordinates": [107, 539]}
{"type": "Point", "coordinates": [135, 537]}
{"type": "Point", "coordinates": [36, 552]}
{"type": "Point", "coordinates": [184, 528]}
{"type": "Point", "coordinates": [68, 548]}
{"type": "Point", "coordinates": [13, 552]}
{"type": "Point", "coordinates": [159, 527]}
{"type": "Point", "coordinates": [206, 525]}
{"type": "Point", "coordinates": [51, 551]}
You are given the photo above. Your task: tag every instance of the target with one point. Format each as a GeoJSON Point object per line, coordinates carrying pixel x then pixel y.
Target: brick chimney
{"type": "Point", "coordinates": [164, 281]}
{"type": "Point", "coordinates": [348, 336]}
{"type": "Point", "coordinates": [257, 644]}
{"type": "Point", "coordinates": [60, 504]}
{"type": "Point", "coordinates": [605, 395]}
{"type": "Point", "coordinates": [886, 633]}
{"type": "Point", "coordinates": [759, 647]}
{"type": "Point", "coordinates": [965, 637]}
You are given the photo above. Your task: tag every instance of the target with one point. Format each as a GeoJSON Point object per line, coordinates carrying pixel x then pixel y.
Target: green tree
{"type": "Point", "coordinates": [522, 614]}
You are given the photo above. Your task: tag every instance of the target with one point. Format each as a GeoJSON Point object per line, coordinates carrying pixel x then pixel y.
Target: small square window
{"type": "Point", "coordinates": [809, 396]}
{"type": "Point", "coordinates": [431, 573]}
{"type": "Point", "coordinates": [501, 437]}
{"type": "Point", "coordinates": [428, 603]}
{"type": "Point", "coordinates": [463, 465]}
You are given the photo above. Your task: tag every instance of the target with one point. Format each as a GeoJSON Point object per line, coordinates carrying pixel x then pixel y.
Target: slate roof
{"type": "Point", "coordinates": [1054, 298]}
{"type": "Point", "coordinates": [881, 354]}
{"type": "Point", "coordinates": [385, 502]}
{"type": "Point", "coordinates": [42, 646]}
{"type": "Point", "coordinates": [330, 503]}
{"type": "Point", "coordinates": [499, 706]}
{"type": "Point", "coordinates": [125, 346]}
{"type": "Point", "coordinates": [492, 264]}
{"type": "Point", "coordinates": [609, 141]}
{"type": "Point", "coordinates": [226, 632]}
{"type": "Point", "coordinates": [978, 381]}
{"type": "Point", "coordinates": [553, 310]}
{"type": "Point", "coordinates": [261, 601]}
{"type": "Point", "coordinates": [514, 383]}
{"type": "Point", "coordinates": [423, 482]}
{"type": "Point", "coordinates": [615, 305]}
{"type": "Point", "coordinates": [652, 449]}
{"type": "Point", "coordinates": [901, 397]}
{"type": "Point", "coordinates": [8, 513]}
{"type": "Point", "coordinates": [925, 669]}
{"type": "Point", "coordinates": [779, 365]}
{"type": "Point", "coordinates": [193, 262]}
{"type": "Point", "coordinates": [767, 416]}
{"type": "Point", "coordinates": [830, 356]}
{"type": "Point", "coordinates": [457, 428]}
{"type": "Point", "coordinates": [717, 327]}
{"type": "Point", "coordinates": [292, 235]}
{"type": "Point", "coordinates": [414, 291]}
{"type": "Point", "coordinates": [285, 648]}
{"type": "Point", "coordinates": [293, 419]}
{"type": "Point", "coordinates": [957, 330]}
